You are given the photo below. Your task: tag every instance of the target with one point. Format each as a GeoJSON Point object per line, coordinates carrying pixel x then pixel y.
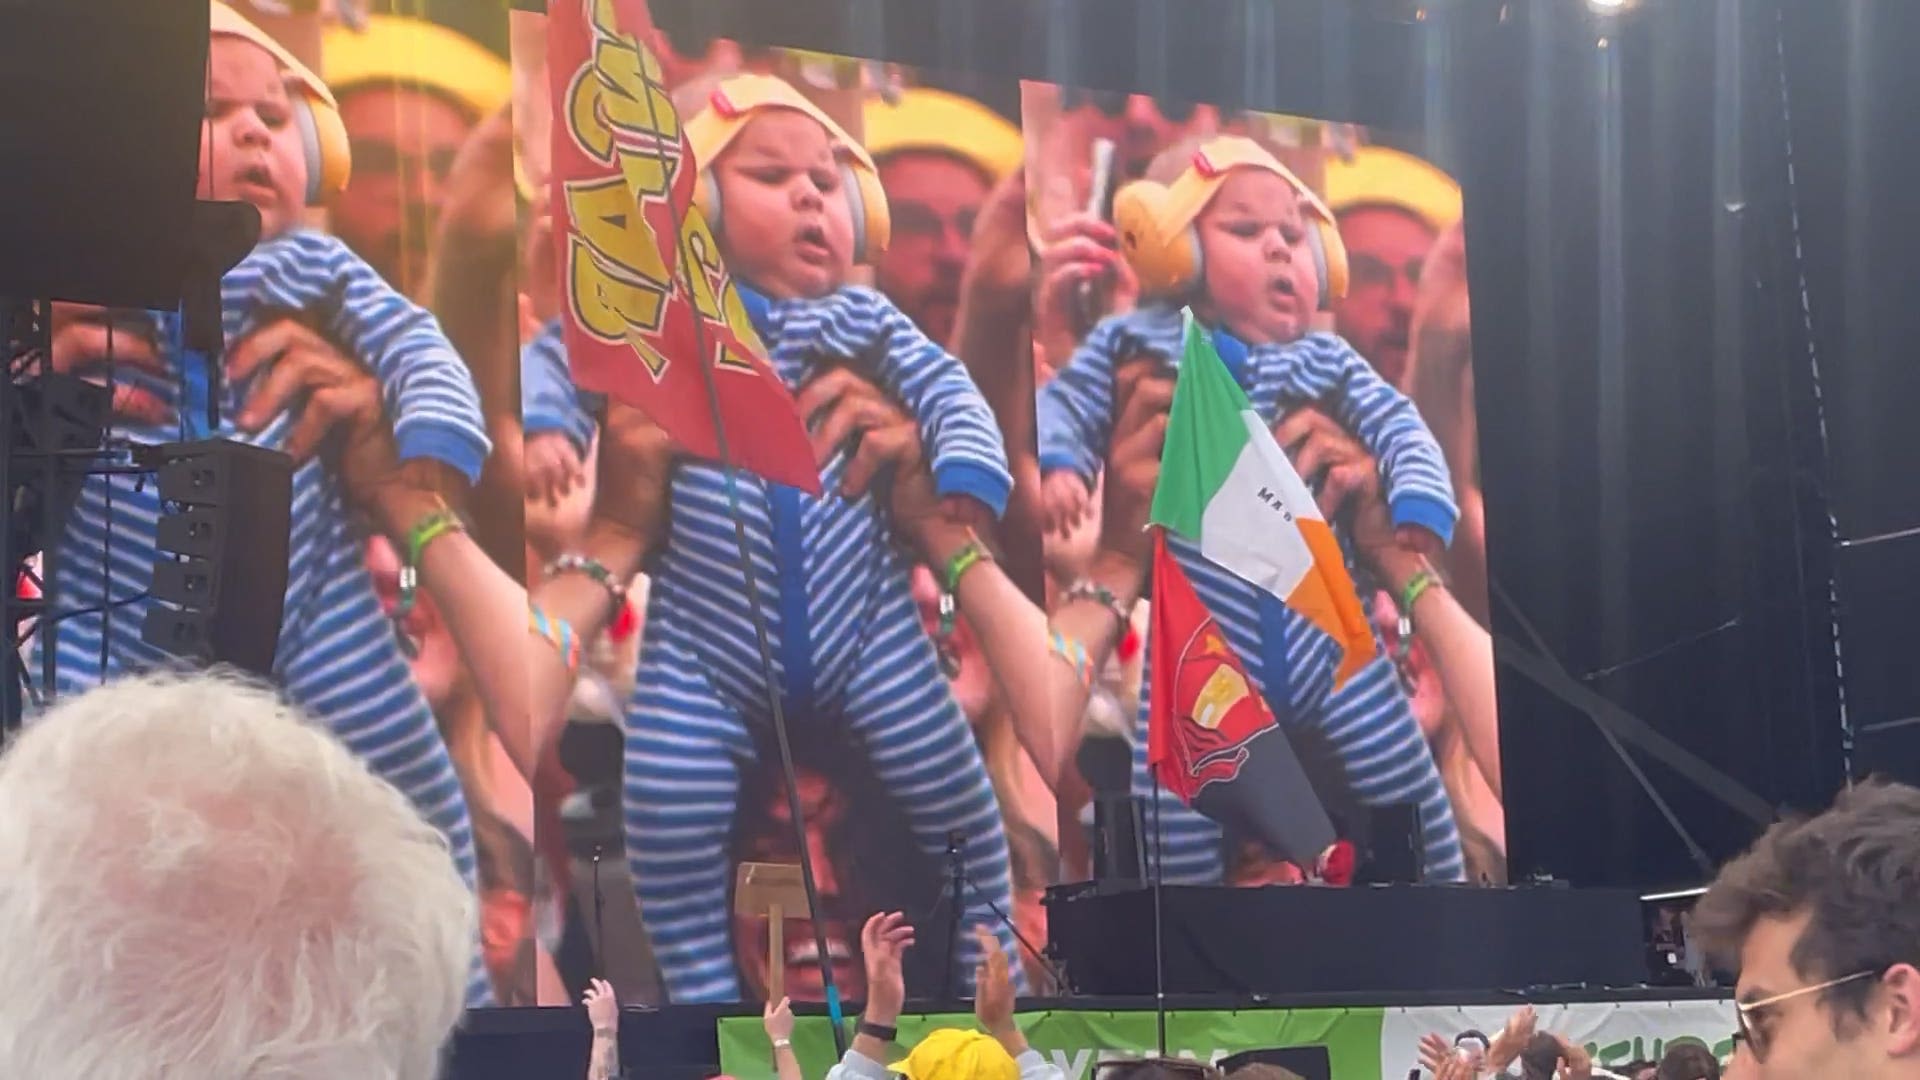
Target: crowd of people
{"type": "Point", "coordinates": [202, 881]}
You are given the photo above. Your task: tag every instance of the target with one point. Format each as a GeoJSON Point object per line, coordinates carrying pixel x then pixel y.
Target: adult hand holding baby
{"type": "Point", "coordinates": [1350, 479]}
{"type": "Point", "coordinates": [341, 411]}
{"type": "Point", "coordinates": [634, 473]}
{"type": "Point", "coordinates": [1143, 392]}
{"type": "Point", "coordinates": [91, 342]}
{"type": "Point", "coordinates": [841, 405]}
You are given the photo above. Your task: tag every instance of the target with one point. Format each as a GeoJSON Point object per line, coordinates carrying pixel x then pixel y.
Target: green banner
{"type": "Point", "coordinates": [1074, 1040]}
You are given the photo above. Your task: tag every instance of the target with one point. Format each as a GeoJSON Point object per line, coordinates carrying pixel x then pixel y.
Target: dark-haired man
{"type": "Point", "coordinates": [1688, 1061]}
{"type": "Point", "coordinates": [1820, 918]}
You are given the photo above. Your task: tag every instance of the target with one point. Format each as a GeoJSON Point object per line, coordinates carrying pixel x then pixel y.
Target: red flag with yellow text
{"type": "Point", "coordinates": [646, 297]}
{"type": "Point", "coordinates": [1211, 737]}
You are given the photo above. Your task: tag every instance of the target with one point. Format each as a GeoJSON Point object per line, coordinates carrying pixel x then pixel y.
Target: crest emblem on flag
{"type": "Point", "coordinates": [1221, 709]}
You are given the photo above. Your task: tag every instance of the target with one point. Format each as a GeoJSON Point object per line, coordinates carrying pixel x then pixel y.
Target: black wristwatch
{"type": "Point", "coordinates": [879, 1031]}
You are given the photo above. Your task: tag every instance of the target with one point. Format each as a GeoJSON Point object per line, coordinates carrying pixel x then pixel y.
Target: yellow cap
{"type": "Point", "coordinates": [1380, 176]}
{"type": "Point", "coordinates": [954, 1054]}
{"type": "Point", "coordinates": [409, 51]}
{"type": "Point", "coordinates": [1193, 189]}
{"type": "Point", "coordinates": [926, 119]}
{"type": "Point", "coordinates": [733, 103]}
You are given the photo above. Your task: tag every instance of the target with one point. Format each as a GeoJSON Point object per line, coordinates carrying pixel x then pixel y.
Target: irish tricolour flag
{"type": "Point", "coordinates": [1227, 486]}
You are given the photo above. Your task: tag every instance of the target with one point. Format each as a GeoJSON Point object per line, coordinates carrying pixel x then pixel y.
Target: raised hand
{"type": "Point", "coordinates": [884, 942]}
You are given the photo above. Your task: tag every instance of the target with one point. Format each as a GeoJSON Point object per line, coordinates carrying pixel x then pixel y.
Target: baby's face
{"type": "Point", "coordinates": [250, 147]}
{"type": "Point", "coordinates": [786, 226]}
{"type": "Point", "coordinates": [1260, 276]}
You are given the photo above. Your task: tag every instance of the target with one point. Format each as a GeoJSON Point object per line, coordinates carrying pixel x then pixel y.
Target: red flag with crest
{"type": "Point", "coordinates": [1212, 738]}
{"type": "Point", "coordinates": [646, 297]}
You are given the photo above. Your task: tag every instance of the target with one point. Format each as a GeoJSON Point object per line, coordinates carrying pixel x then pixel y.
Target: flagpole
{"type": "Point", "coordinates": [795, 812]}
{"type": "Point", "coordinates": [1157, 864]}
{"type": "Point", "coordinates": [1159, 923]}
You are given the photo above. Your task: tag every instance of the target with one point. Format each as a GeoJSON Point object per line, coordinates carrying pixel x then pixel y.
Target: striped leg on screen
{"type": "Point", "coordinates": [1387, 760]}
{"type": "Point", "coordinates": [343, 666]}
{"type": "Point", "coordinates": [338, 659]}
{"type": "Point", "coordinates": [1187, 842]}
{"type": "Point", "coordinates": [681, 793]}
{"type": "Point", "coordinates": [901, 710]}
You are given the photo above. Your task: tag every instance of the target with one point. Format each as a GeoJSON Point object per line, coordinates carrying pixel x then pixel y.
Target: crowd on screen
{"type": "Point", "coordinates": [206, 877]}
{"type": "Point", "coordinates": [443, 219]}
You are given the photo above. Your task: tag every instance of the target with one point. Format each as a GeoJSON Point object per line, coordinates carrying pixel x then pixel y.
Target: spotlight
{"type": "Point", "coordinates": [1612, 7]}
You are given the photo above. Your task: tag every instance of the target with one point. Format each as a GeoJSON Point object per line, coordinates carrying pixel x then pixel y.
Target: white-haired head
{"type": "Point", "coordinates": [195, 882]}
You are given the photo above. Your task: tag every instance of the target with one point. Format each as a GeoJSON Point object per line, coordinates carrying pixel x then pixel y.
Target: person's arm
{"type": "Point", "coordinates": [993, 1007]}
{"type": "Point", "coordinates": [1439, 379]}
{"type": "Point", "coordinates": [1439, 375]}
{"type": "Point", "coordinates": [1579, 1062]}
{"type": "Point", "coordinates": [778, 1020]}
{"type": "Point", "coordinates": [1512, 1039]}
{"type": "Point", "coordinates": [883, 943]}
{"type": "Point", "coordinates": [1461, 651]}
{"type": "Point", "coordinates": [522, 679]}
{"type": "Point", "coordinates": [603, 1012]}
{"type": "Point", "coordinates": [1043, 691]}
{"type": "Point", "coordinates": [992, 332]}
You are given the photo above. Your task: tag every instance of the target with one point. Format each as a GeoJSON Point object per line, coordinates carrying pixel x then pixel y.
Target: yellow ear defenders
{"type": "Point", "coordinates": [733, 103]}
{"type": "Point", "coordinates": [1157, 234]}
{"type": "Point", "coordinates": [317, 115]}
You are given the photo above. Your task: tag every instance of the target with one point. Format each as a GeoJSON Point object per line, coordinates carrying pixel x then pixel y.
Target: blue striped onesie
{"type": "Point", "coordinates": [1368, 724]}
{"type": "Point", "coordinates": [548, 400]}
{"type": "Point", "coordinates": [338, 659]}
{"type": "Point", "coordinates": [848, 647]}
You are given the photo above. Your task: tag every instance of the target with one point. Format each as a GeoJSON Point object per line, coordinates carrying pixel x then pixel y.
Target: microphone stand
{"type": "Point", "coordinates": [956, 902]}
{"type": "Point", "coordinates": [599, 918]}
{"type": "Point", "coordinates": [1059, 977]}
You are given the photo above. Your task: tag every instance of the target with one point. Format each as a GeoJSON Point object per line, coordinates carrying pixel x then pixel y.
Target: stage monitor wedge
{"type": "Point", "coordinates": [101, 139]}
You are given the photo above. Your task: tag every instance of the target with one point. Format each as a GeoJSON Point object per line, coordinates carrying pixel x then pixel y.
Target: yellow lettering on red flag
{"type": "Point", "coordinates": [618, 282]}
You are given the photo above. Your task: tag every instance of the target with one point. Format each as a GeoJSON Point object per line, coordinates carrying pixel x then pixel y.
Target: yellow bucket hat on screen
{"type": "Point", "coordinates": [1381, 176]}
{"type": "Point", "coordinates": [410, 51]}
{"type": "Point", "coordinates": [924, 119]}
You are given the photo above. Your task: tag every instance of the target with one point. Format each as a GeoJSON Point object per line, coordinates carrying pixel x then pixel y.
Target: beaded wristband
{"type": "Point", "coordinates": [1074, 654]}
{"type": "Point", "coordinates": [1097, 593]}
{"type": "Point", "coordinates": [591, 567]}
{"type": "Point", "coordinates": [558, 633]}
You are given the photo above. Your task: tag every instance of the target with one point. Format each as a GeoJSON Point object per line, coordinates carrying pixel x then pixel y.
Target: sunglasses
{"type": "Point", "coordinates": [1113, 104]}
{"type": "Point", "coordinates": [1123, 1070]}
{"type": "Point", "coordinates": [1754, 1037]}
